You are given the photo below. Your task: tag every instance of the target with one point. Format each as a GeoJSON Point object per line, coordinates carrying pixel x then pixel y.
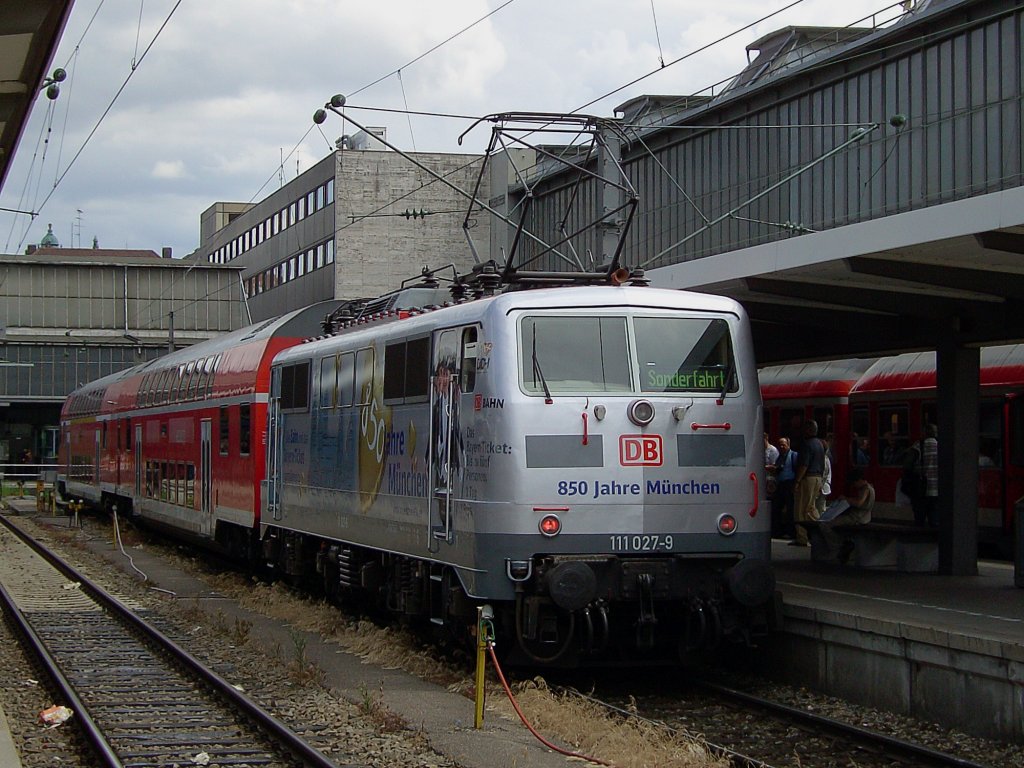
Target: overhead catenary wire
{"type": "Point", "coordinates": [106, 111]}
{"type": "Point", "coordinates": [431, 50]}
{"type": "Point", "coordinates": [657, 35]}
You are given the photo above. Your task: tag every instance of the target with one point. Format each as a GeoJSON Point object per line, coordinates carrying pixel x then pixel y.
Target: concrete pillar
{"type": "Point", "coordinates": [957, 371]}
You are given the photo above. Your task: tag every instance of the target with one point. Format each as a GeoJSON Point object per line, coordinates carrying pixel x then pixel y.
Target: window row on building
{"type": "Point", "coordinates": [317, 257]}
{"type": "Point", "coordinates": [277, 222]}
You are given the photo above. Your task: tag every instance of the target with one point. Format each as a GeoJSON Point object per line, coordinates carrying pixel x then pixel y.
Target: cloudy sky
{"type": "Point", "coordinates": [213, 93]}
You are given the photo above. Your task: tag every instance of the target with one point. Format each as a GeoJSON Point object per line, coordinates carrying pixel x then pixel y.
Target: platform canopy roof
{"type": "Point", "coordinates": [29, 33]}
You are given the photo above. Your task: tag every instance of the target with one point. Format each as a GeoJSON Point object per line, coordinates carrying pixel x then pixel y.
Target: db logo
{"type": "Point", "coordinates": [640, 450]}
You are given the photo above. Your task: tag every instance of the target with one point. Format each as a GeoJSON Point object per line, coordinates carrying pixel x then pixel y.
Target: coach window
{"type": "Point", "coordinates": [193, 382]}
{"type": "Point", "coordinates": [990, 433]}
{"type": "Point", "coordinates": [211, 366]}
{"type": "Point", "coordinates": [406, 370]}
{"type": "Point", "coordinates": [178, 385]}
{"type": "Point", "coordinates": [417, 369]}
{"type": "Point", "coordinates": [223, 431]}
{"type": "Point", "coordinates": [468, 377]}
{"type": "Point", "coordinates": [860, 428]}
{"type": "Point", "coordinates": [182, 487]}
{"type": "Point", "coordinates": [346, 380]}
{"type": "Point", "coordinates": [244, 429]}
{"type": "Point", "coordinates": [825, 420]}
{"type": "Point", "coordinates": [328, 382]}
{"type": "Point", "coordinates": [893, 434]}
{"type": "Point", "coordinates": [295, 387]}
{"type": "Point", "coordinates": [364, 376]}
{"type": "Point", "coordinates": [394, 371]}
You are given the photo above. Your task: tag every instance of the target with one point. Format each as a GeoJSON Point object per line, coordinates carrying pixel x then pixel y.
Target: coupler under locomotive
{"type": "Point", "coordinates": [580, 609]}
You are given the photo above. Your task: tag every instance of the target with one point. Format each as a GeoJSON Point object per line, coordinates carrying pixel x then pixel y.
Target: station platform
{"type": "Point", "coordinates": [948, 649]}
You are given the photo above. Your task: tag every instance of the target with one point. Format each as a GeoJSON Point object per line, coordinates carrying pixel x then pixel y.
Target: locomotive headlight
{"type": "Point", "coordinates": [550, 525]}
{"type": "Point", "coordinates": [641, 412]}
{"type": "Point", "coordinates": [726, 525]}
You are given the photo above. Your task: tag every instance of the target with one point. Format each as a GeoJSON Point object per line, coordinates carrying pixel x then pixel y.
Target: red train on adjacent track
{"type": "Point", "coordinates": [876, 409]}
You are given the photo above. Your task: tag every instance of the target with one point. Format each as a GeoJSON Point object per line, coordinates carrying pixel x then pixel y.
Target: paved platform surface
{"type": "Point", "coordinates": [987, 606]}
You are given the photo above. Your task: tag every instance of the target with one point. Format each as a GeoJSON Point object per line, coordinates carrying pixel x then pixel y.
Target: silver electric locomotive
{"type": "Point", "coordinates": [585, 459]}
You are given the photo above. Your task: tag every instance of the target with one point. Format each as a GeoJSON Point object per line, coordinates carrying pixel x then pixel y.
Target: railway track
{"type": "Point", "coordinates": [774, 735]}
{"type": "Point", "coordinates": [138, 698]}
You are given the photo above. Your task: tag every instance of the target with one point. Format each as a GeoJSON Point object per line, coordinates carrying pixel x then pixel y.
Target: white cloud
{"type": "Point", "coordinates": [169, 169]}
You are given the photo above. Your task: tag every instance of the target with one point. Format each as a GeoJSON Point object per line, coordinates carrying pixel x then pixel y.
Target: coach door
{"type": "Point", "coordinates": [205, 459]}
{"type": "Point", "coordinates": [138, 460]}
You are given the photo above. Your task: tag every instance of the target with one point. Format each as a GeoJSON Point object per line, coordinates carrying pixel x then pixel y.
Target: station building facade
{"type": "Point", "coordinates": [934, 85]}
{"type": "Point", "coordinates": [71, 315]}
{"type": "Point", "coordinates": [357, 224]}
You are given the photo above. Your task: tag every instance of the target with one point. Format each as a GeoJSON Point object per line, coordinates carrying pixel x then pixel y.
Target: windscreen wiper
{"type": "Point", "coordinates": [537, 372]}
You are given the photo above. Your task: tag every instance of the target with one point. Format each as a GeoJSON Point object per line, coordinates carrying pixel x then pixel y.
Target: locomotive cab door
{"type": "Point", "coordinates": [274, 446]}
{"type": "Point", "coordinates": [445, 447]}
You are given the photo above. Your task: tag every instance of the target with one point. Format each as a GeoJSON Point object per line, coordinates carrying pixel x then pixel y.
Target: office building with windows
{"type": "Point", "coordinates": [355, 225]}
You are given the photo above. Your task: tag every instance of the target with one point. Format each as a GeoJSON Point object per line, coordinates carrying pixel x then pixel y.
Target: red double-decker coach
{"type": "Point", "coordinates": [181, 440]}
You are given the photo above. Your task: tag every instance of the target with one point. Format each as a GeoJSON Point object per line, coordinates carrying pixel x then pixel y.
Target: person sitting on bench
{"type": "Point", "coordinates": [849, 510]}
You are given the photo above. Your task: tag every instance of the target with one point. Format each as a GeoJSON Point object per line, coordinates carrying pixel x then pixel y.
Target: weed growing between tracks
{"type": "Point", "coordinates": [584, 725]}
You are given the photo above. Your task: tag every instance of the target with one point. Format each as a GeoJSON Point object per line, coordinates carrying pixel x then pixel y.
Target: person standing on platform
{"type": "Point", "coordinates": [810, 467]}
{"type": "Point", "coordinates": [782, 501]}
{"type": "Point", "coordinates": [826, 480]}
{"type": "Point", "coordinates": [771, 453]}
{"type": "Point", "coordinates": [930, 468]}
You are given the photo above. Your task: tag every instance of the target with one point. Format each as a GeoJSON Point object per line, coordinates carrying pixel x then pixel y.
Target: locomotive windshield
{"type": "Point", "coordinates": [592, 354]}
{"type": "Point", "coordinates": [684, 354]}
{"type": "Point", "coordinates": [575, 354]}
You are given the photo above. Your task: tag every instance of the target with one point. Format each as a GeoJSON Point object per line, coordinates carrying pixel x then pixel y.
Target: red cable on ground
{"type": "Point", "coordinates": [541, 739]}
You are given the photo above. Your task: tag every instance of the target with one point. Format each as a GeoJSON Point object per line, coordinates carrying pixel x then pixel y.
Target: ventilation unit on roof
{"type": "Point", "coordinates": [369, 139]}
